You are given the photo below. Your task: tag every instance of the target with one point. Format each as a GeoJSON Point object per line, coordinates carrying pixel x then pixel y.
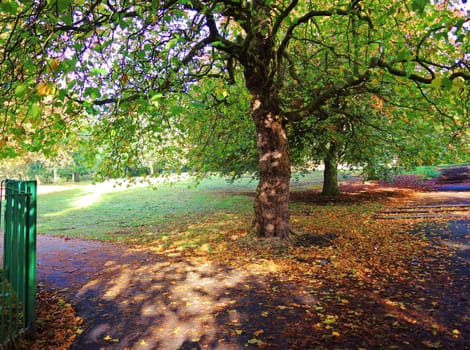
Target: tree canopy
{"type": "Point", "coordinates": [126, 72]}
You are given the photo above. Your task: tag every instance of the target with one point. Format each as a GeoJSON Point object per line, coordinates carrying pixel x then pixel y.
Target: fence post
{"type": "Point", "coordinates": [19, 258]}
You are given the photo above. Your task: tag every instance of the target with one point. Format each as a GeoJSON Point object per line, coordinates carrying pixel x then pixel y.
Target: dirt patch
{"type": "Point", "coordinates": [351, 192]}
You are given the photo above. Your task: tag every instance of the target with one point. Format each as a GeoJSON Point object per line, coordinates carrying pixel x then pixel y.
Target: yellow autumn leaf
{"type": "Point", "coordinates": [124, 79]}
{"type": "Point", "coordinates": [42, 88]}
{"type": "Point", "coordinates": [258, 332]}
{"type": "Point", "coordinates": [238, 331]}
{"type": "Point", "coordinates": [335, 334]}
{"type": "Point", "coordinates": [110, 339]}
{"type": "Point", "coordinates": [330, 319]}
{"type": "Point", "coordinates": [54, 64]}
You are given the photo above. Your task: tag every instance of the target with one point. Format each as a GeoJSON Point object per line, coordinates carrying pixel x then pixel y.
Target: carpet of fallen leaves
{"type": "Point", "coordinates": [57, 324]}
{"type": "Point", "coordinates": [374, 283]}
{"type": "Point", "coordinates": [346, 281]}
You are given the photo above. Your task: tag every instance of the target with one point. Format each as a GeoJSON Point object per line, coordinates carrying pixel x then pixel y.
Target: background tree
{"type": "Point", "coordinates": [379, 131]}
{"type": "Point", "coordinates": [334, 129]}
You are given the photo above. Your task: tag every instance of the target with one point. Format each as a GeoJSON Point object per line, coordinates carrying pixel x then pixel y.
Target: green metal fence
{"type": "Point", "coordinates": [18, 277]}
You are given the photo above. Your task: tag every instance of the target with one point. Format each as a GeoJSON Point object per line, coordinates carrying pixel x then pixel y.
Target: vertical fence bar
{"type": "Point", "coordinates": [16, 261]}
{"type": "Point", "coordinates": [19, 260]}
{"type": "Point", "coordinates": [30, 246]}
{"type": "Point", "coordinates": [3, 318]}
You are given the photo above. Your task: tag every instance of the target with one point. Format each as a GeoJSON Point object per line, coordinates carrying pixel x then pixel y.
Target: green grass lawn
{"type": "Point", "coordinates": [104, 211]}
{"type": "Point", "coordinates": [179, 213]}
{"type": "Point", "coordinates": [427, 172]}
{"type": "Point", "coordinates": [111, 212]}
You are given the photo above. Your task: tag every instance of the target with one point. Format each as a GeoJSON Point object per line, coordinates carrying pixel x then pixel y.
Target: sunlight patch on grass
{"type": "Point", "coordinates": [94, 192]}
{"type": "Point", "coordinates": [107, 212]}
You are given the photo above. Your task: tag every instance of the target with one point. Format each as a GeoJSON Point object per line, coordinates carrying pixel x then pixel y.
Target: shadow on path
{"type": "Point", "coordinates": [137, 299]}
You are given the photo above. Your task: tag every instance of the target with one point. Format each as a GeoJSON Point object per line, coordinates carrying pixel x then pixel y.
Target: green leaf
{"type": "Point", "coordinates": [419, 5]}
{"type": "Point", "coordinates": [68, 19]}
{"type": "Point", "coordinates": [9, 6]}
{"type": "Point", "coordinates": [436, 83]}
{"type": "Point", "coordinates": [35, 111]}
{"type": "Point", "coordinates": [156, 96]}
{"type": "Point", "coordinates": [97, 71]}
{"type": "Point", "coordinates": [92, 92]}
{"type": "Point", "coordinates": [63, 5]}
{"type": "Point", "coordinates": [20, 90]}
{"type": "Point", "coordinates": [446, 83]}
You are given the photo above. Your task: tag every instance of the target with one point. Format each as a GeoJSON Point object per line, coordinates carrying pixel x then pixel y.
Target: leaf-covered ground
{"type": "Point", "coordinates": [350, 281]}
{"type": "Point", "coordinates": [57, 324]}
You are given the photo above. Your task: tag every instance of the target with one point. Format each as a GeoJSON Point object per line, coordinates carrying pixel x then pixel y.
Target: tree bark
{"type": "Point", "coordinates": [330, 176]}
{"type": "Point", "coordinates": [272, 217]}
{"type": "Point", "coordinates": [262, 78]}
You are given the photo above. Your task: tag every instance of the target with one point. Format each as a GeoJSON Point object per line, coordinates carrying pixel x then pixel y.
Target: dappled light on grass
{"type": "Point", "coordinates": [93, 193]}
{"type": "Point", "coordinates": [124, 214]}
{"type": "Point", "coordinates": [84, 195]}
{"type": "Point", "coordinates": [200, 232]}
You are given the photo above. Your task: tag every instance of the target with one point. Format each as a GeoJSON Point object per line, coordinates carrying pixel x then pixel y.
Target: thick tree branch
{"type": "Point", "coordinates": [347, 88]}
{"type": "Point", "coordinates": [377, 62]}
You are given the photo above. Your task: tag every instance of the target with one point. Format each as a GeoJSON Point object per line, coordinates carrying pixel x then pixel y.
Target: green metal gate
{"type": "Point", "coordinates": [18, 278]}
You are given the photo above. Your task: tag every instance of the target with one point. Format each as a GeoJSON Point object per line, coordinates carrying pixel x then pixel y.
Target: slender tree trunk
{"type": "Point", "coordinates": [76, 176]}
{"type": "Point", "coordinates": [55, 175]}
{"type": "Point", "coordinates": [330, 176]}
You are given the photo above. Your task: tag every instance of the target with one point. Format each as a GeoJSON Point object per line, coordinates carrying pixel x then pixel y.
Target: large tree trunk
{"type": "Point", "coordinates": [272, 218]}
{"type": "Point", "coordinates": [330, 176]}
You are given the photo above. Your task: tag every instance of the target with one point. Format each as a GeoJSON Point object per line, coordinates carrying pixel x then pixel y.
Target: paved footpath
{"type": "Point", "coordinates": [136, 299]}
{"type": "Point", "coordinates": [139, 299]}
{"type": "Point", "coordinates": [447, 213]}
{"type": "Point", "coordinates": [451, 229]}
